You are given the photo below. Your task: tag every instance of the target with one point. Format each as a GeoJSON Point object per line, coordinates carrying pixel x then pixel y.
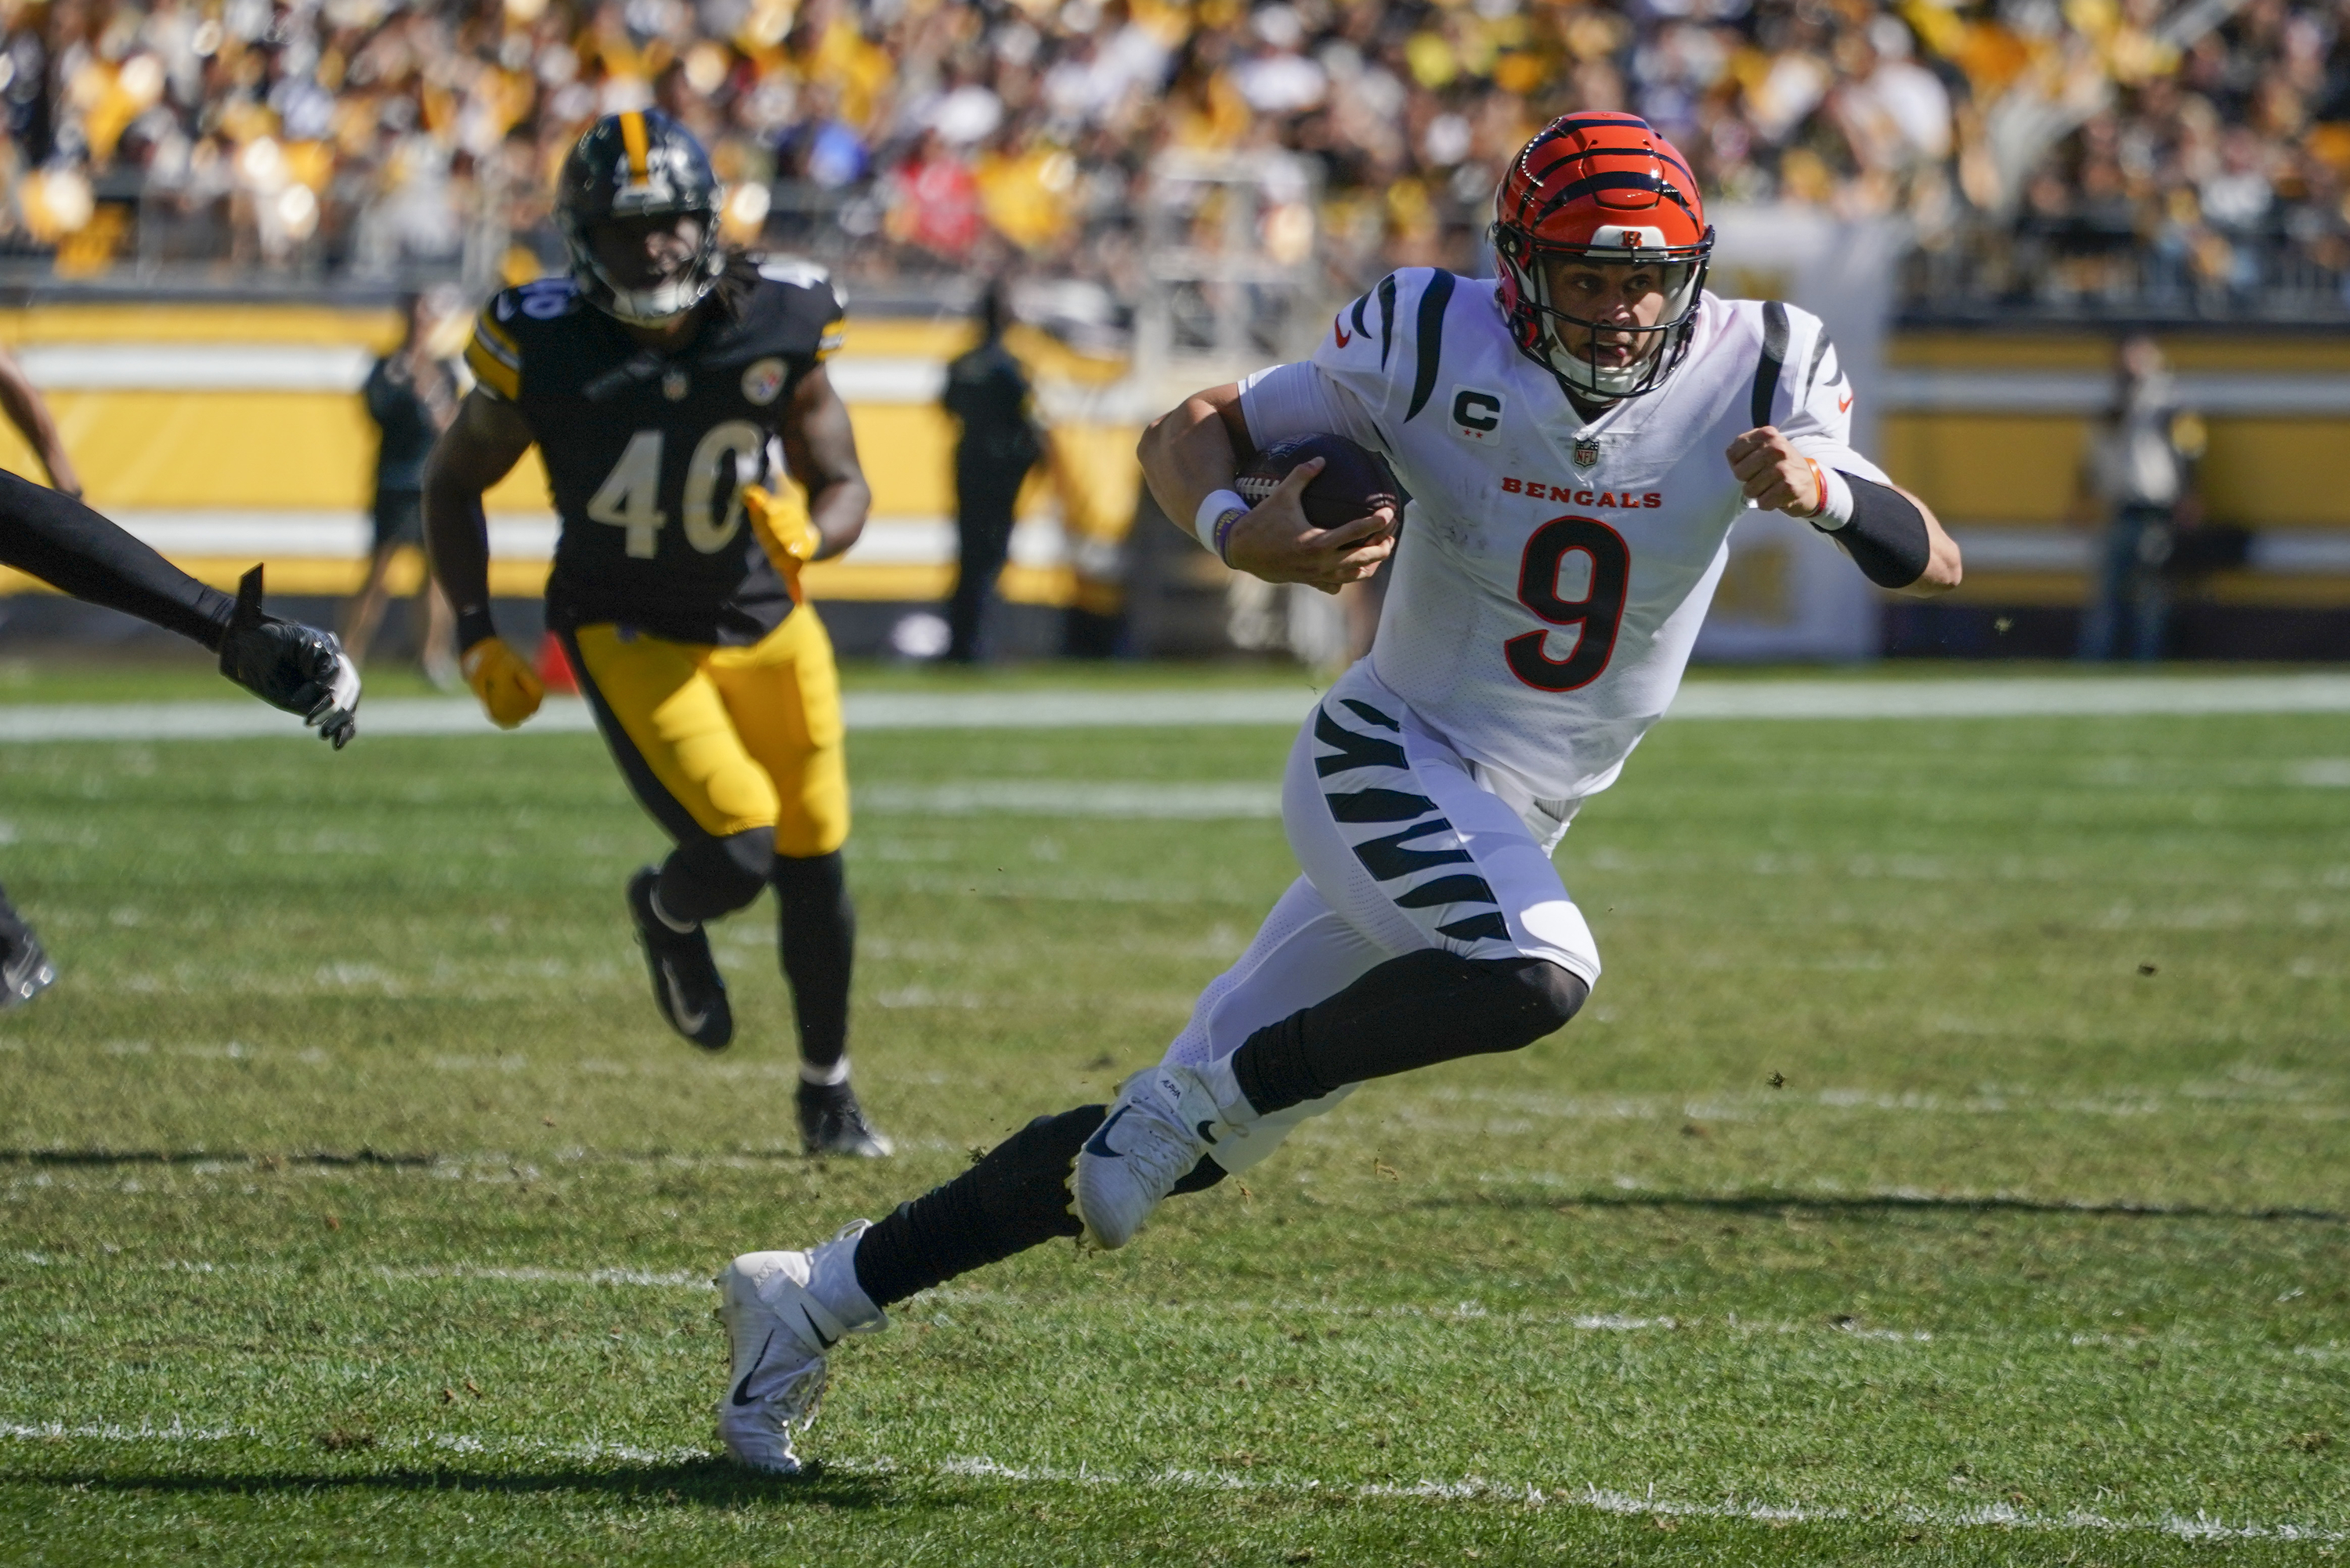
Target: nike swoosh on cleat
{"type": "Point", "coordinates": [1207, 1132]}
{"type": "Point", "coordinates": [688, 1022]}
{"type": "Point", "coordinates": [743, 1389]}
{"type": "Point", "coordinates": [1099, 1144]}
{"type": "Point", "coordinates": [820, 1339]}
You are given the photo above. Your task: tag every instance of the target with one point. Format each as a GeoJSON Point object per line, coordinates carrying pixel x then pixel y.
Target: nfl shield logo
{"type": "Point", "coordinates": [1587, 452]}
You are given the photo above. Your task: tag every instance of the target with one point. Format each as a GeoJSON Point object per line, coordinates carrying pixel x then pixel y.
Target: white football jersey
{"type": "Point", "coordinates": [1550, 573]}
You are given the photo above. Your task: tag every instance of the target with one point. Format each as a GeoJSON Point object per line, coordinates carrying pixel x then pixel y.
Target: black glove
{"type": "Point", "coordinates": [291, 666]}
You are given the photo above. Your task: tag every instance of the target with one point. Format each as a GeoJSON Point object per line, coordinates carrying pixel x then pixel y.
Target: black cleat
{"type": "Point", "coordinates": [687, 986]}
{"type": "Point", "coordinates": [25, 973]}
{"type": "Point", "coordinates": [832, 1122]}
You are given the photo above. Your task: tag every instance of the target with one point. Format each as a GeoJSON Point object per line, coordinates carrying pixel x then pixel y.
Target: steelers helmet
{"type": "Point", "coordinates": [640, 164]}
{"type": "Point", "coordinates": [1606, 189]}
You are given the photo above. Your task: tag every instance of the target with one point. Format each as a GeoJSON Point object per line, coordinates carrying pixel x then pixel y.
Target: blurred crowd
{"type": "Point", "coordinates": [372, 139]}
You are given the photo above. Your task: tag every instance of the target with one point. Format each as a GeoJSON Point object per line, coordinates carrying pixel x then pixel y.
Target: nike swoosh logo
{"type": "Point", "coordinates": [1338, 326]}
{"type": "Point", "coordinates": [1844, 402]}
{"type": "Point", "coordinates": [743, 1389]}
{"type": "Point", "coordinates": [820, 1339]}
{"type": "Point", "coordinates": [687, 1020]}
{"type": "Point", "coordinates": [1099, 1144]}
{"type": "Point", "coordinates": [1208, 1132]}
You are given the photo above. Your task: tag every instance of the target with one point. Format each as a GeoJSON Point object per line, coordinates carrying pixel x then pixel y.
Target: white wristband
{"type": "Point", "coordinates": [1835, 500]}
{"type": "Point", "coordinates": [1203, 522]}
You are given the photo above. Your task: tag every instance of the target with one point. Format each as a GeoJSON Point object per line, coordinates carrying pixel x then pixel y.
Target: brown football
{"type": "Point", "coordinates": [1354, 483]}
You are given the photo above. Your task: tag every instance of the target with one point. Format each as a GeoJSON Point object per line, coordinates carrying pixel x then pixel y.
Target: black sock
{"type": "Point", "coordinates": [13, 930]}
{"type": "Point", "coordinates": [816, 934]}
{"type": "Point", "coordinates": [707, 877]}
{"type": "Point", "coordinates": [1015, 1198]}
{"type": "Point", "coordinates": [1410, 1012]}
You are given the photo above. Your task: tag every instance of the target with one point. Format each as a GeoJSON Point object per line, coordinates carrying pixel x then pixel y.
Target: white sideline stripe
{"type": "Point", "coordinates": [1996, 547]}
{"type": "Point", "coordinates": [269, 534]}
{"type": "Point", "coordinates": [343, 368]}
{"type": "Point", "coordinates": [2239, 393]}
{"type": "Point", "coordinates": [1064, 798]}
{"type": "Point", "coordinates": [1469, 1489]}
{"type": "Point", "coordinates": [2051, 697]}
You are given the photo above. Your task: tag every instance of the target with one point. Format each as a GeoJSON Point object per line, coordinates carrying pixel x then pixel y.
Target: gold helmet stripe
{"type": "Point", "coordinates": [632, 135]}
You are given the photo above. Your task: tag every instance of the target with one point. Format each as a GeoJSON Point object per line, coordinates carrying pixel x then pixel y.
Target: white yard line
{"type": "Point", "coordinates": [1550, 1492]}
{"type": "Point", "coordinates": [1966, 697]}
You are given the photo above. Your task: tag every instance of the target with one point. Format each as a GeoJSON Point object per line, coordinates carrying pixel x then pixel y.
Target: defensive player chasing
{"type": "Point", "coordinates": [1577, 435]}
{"type": "Point", "coordinates": [671, 386]}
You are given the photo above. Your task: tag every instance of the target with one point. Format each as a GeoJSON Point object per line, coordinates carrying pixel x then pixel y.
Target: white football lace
{"type": "Point", "coordinates": [1165, 1160]}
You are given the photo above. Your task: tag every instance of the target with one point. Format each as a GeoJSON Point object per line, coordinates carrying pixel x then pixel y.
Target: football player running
{"type": "Point", "coordinates": [52, 536]}
{"type": "Point", "coordinates": [1579, 435]}
{"type": "Point", "coordinates": [674, 389]}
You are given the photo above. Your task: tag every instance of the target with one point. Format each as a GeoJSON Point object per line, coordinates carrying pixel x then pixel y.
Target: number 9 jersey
{"type": "Point", "coordinates": [648, 454]}
{"type": "Point", "coordinates": [1552, 571]}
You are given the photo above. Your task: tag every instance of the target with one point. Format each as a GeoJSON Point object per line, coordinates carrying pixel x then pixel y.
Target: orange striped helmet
{"type": "Point", "coordinates": [1605, 191]}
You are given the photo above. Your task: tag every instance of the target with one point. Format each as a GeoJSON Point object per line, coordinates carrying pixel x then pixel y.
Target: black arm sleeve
{"type": "Point", "coordinates": [66, 544]}
{"type": "Point", "coordinates": [1887, 536]}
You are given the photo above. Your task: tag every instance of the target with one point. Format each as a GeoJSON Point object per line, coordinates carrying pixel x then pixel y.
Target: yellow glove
{"type": "Point", "coordinates": [781, 520]}
{"type": "Point", "coordinates": [509, 689]}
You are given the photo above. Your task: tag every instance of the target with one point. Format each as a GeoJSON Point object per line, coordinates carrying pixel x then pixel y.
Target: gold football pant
{"type": "Point", "coordinates": [720, 740]}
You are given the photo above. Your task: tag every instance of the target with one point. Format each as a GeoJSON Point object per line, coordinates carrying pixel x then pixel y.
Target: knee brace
{"type": "Point", "coordinates": [710, 876]}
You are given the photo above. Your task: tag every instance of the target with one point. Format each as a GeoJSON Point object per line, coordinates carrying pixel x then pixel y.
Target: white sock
{"type": "Point", "coordinates": [832, 1280]}
{"type": "Point", "coordinates": [666, 918]}
{"type": "Point", "coordinates": [825, 1078]}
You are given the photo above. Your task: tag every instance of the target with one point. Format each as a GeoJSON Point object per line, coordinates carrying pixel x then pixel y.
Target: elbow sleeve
{"type": "Point", "coordinates": [1887, 536]}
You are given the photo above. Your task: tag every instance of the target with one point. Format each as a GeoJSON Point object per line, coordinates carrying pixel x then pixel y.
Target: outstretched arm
{"type": "Point", "coordinates": [285, 663]}
{"type": "Point", "coordinates": [31, 416]}
{"type": "Point", "coordinates": [480, 448]}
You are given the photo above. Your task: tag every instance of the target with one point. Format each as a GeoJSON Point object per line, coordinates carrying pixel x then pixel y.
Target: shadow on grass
{"type": "Point", "coordinates": [705, 1481]}
{"type": "Point", "coordinates": [1884, 1203]}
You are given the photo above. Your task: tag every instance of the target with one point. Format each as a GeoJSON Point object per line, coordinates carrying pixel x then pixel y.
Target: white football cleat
{"type": "Point", "coordinates": [1162, 1121]}
{"type": "Point", "coordinates": [780, 1334]}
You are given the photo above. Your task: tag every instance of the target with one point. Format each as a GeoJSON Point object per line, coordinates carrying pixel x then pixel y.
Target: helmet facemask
{"type": "Point", "coordinates": [1571, 346]}
{"type": "Point", "coordinates": [639, 168]}
{"type": "Point", "coordinates": [662, 301]}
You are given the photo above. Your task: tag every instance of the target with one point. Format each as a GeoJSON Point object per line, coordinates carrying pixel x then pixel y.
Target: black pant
{"type": "Point", "coordinates": [983, 533]}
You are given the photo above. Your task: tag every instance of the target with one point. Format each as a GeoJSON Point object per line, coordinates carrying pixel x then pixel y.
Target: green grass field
{"type": "Point", "coordinates": [1951, 1167]}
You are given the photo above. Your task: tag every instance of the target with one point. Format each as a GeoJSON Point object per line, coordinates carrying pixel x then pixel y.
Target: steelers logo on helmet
{"type": "Point", "coordinates": [1601, 245]}
{"type": "Point", "coordinates": [632, 174]}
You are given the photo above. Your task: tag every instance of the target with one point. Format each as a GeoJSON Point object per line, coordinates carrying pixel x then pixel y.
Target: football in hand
{"type": "Point", "coordinates": [1354, 482]}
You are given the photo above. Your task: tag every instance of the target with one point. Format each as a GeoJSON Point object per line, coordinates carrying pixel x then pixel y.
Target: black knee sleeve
{"type": "Point", "coordinates": [707, 877]}
{"type": "Point", "coordinates": [1015, 1198]}
{"type": "Point", "coordinates": [816, 936]}
{"type": "Point", "coordinates": [1410, 1012]}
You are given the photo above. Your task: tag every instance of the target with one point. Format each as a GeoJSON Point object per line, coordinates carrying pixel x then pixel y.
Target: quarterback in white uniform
{"type": "Point", "coordinates": [1577, 437]}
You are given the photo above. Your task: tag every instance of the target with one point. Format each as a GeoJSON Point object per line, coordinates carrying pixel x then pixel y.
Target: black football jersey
{"type": "Point", "coordinates": [648, 454]}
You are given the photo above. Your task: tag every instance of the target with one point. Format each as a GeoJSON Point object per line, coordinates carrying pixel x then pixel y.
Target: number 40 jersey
{"type": "Point", "coordinates": [1552, 572]}
{"type": "Point", "coordinates": [648, 454]}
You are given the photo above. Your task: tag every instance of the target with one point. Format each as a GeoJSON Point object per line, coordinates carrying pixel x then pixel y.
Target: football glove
{"type": "Point", "coordinates": [510, 689]}
{"type": "Point", "coordinates": [291, 666]}
{"type": "Point", "coordinates": [781, 520]}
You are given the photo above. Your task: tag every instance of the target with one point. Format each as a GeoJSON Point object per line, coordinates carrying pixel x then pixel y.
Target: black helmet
{"type": "Point", "coordinates": [635, 165]}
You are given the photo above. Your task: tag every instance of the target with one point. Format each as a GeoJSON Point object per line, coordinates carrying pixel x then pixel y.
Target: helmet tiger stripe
{"type": "Point", "coordinates": [1606, 191]}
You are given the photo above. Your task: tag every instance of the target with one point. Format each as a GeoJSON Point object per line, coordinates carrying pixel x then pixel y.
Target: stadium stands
{"type": "Point", "coordinates": [2092, 155]}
